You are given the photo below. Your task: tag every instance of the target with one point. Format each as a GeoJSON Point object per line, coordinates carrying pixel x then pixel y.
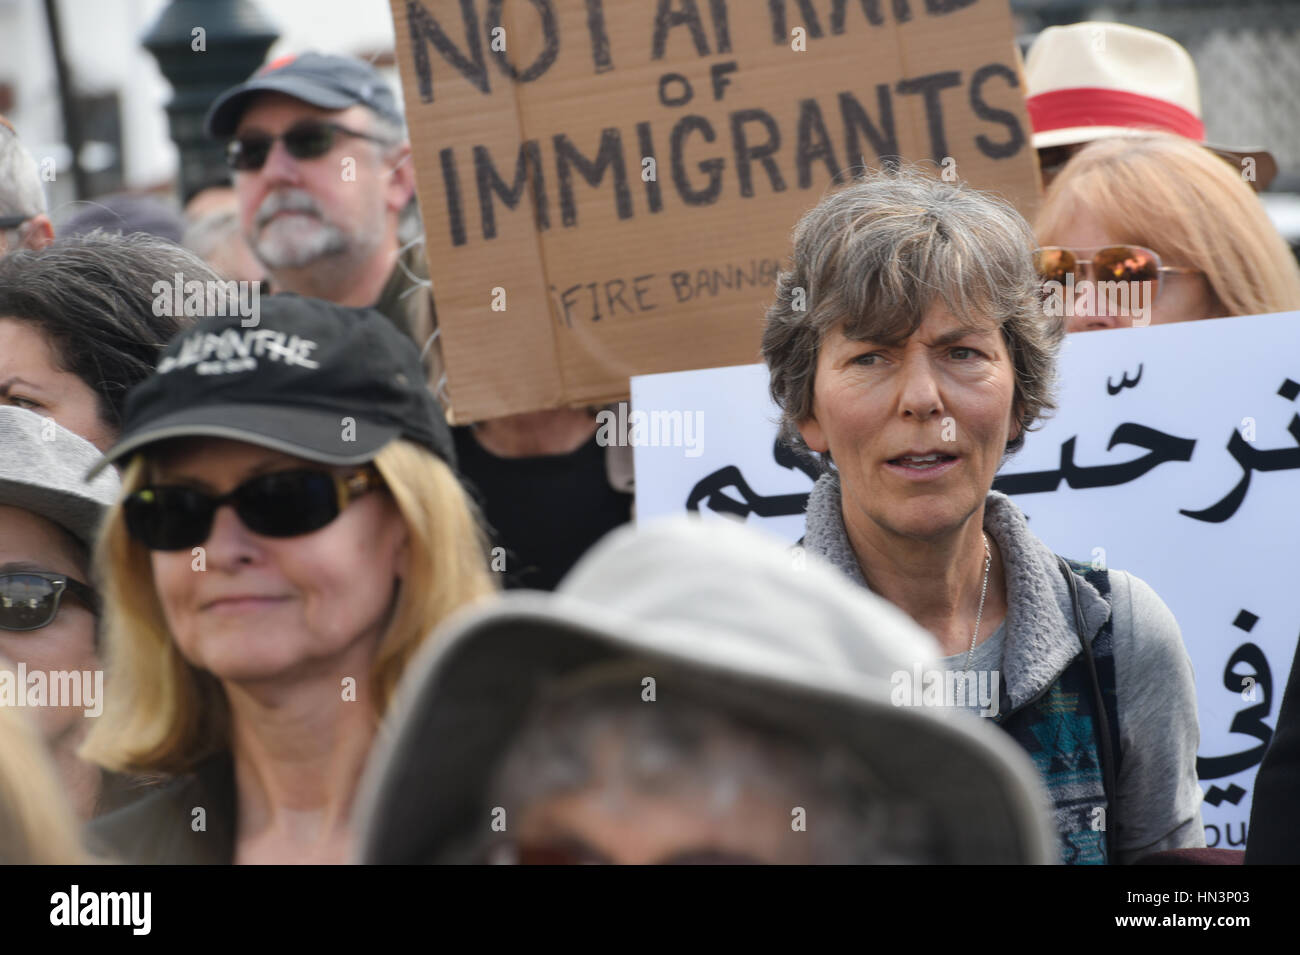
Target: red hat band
{"type": "Point", "coordinates": [1067, 109]}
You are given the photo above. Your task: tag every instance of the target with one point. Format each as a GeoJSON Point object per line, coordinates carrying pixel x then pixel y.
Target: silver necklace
{"type": "Point", "coordinates": [988, 560]}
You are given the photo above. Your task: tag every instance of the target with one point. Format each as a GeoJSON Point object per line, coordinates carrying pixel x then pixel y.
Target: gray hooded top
{"type": "Point", "coordinates": [1158, 795]}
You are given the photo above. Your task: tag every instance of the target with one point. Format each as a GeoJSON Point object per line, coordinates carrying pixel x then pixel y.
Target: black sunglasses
{"type": "Point", "coordinates": [12, 222]}
{"type": "Point", "coordinates": [30, 600]}
{"type": "Point", "coordinates": [280, 504]}
{"type": "Point", "coordinates": [309, 139]}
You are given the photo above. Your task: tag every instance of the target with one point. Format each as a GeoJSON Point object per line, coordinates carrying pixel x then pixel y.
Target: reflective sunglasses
{"type": "Point", "coordinates": [1111, 263]}
{"type": "Point", "coordinates": [309, 139]}
{"type": "Point", "coordinates": [30, 600]}
{"type": "Point", "coordinates": [279, 504]}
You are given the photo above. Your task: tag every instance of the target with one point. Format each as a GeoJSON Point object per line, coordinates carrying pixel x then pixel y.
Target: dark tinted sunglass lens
{"type": "Point", "coordinates": [248, 153]}
{"type": "Point", "coordinates": [27, 602]}
{"type": "Point", "coordinates": [288, 503]}
{"type": "Point", "coordinates": [309, 140]}
{"type": "Point", "coordinates": [1127, 263]}
{"type": "Point", "coordinates": [1053, 265]}
{"type": "Point", "coordinates": [168, 518]}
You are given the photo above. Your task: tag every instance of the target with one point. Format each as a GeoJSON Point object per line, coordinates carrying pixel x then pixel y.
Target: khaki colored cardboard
{"type": "Point", "coordinates": [559, 299]}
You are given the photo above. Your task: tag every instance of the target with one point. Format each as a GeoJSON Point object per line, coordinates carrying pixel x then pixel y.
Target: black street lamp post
{"type": "Point", "coordinates": [204, 47]}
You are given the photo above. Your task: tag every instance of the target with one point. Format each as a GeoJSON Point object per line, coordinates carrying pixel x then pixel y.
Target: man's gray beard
{"type": "Point", "coordinates": [288, 244]}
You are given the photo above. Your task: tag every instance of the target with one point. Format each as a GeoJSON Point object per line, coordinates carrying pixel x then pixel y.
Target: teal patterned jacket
{"type": "Point", "coordinates": [1046, 693]}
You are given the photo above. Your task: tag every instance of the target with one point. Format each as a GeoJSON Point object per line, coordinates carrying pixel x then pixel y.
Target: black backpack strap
{"type": "Point", "coordinates": [1104, 747]}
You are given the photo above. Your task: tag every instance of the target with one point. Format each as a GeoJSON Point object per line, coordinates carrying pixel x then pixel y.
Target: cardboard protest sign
{"type": "Point", "coordinates": [1175, 456]}
{"type": "Point", "coordinates": [608, 186]}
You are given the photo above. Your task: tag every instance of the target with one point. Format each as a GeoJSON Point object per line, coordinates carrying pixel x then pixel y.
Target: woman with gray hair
{"type": "Point", "coordinates": [908, 349]}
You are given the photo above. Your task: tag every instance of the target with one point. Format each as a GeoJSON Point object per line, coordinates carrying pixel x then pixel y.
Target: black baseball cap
{"type": "Point", "coordinates": [310, 378]}
{"type": "Point", "coordinates": [321, 79]}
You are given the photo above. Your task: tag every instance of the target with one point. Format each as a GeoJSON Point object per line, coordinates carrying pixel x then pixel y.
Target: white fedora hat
{"type": "Point", "coordinates": [1092, 80]}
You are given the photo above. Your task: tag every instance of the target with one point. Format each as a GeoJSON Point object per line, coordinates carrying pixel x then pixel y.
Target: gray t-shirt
{"type": "Point", "coordinates": [987, 657]}
{"type": "Point", "coordinates": [1148, 648]}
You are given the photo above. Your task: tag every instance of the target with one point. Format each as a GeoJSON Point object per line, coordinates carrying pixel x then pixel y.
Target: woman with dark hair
{"type": "Point", "coordinates": [82, 321]}
{"type": "Point", "coordinates": [908, 349]}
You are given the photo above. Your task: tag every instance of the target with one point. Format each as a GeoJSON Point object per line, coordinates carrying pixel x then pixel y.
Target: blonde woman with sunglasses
{"type": "Point", "coordinates": [291, 529]}
{"type": "Point", "coordinates": [1172, 219]}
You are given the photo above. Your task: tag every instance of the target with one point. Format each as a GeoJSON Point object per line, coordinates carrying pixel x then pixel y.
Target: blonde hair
{"type": "Point", "coordinates": [1184, 202]}
{"type": "Point", "coordinates": [164, 715]}
{"type": "Point", "coordinates": [37, 825]}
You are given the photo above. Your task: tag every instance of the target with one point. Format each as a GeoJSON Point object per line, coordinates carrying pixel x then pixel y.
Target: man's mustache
{"type": "Point", "coordinates": [288, 201]}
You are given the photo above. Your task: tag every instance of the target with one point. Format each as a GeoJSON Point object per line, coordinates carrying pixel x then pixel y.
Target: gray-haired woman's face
{"type": "Point", "coordinates": [947, 391]}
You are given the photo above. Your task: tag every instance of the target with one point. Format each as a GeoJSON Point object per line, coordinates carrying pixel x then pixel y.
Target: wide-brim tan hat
{"type": "Point", "coordinates": [793, 641]}
{"type": "Point", "coordinates": [1094, 80]}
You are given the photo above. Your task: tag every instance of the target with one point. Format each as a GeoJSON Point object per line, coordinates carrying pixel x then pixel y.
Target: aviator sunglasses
{"type": "Point", "coordinates": [279, 504]}
{"type": "Point", "coordinates": [30, 600]}
{"type": "Point", "coordinates": [1111, 263]}
{"type": "Point", "coordinates": [309, 139]}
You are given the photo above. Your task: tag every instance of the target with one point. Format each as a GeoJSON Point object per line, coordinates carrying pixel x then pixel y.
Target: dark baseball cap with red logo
{"type": "Point", "coordinates": [308, 378]}
{"type": "Point", "coordinates": [321, 79]}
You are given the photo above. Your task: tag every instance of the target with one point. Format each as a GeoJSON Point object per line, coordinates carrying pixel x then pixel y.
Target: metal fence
{"type": "Point", "coordinates": [1247, 54]}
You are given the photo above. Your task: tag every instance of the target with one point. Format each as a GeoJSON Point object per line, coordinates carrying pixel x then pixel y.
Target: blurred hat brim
{"type": "Point", "coordinates": [465, 699]}
{"type": "Point", "coordinates": [1265, 165]}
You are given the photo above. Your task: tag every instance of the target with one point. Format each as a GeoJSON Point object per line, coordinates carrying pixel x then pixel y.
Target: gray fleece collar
{"type": "Point", "coordinates": [1040, 638]}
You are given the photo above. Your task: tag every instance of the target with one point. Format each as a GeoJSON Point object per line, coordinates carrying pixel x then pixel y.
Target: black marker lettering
{"type": "Point", "coordinates": [610, 155]}
{"type": "Point", "coordinates": [666, 18]}
{"type": "Point", "coordinates": [1016, 139]}
{"type": "Point", "coordinates": [883, 139]}
{"type": "Point", "coordinates": [711, 167]}
{"type": "Point", "coordinates": [813, 143]}
{"type": "Point", "coordinates": [600, 56]}
{"type": "Point", "coordinates": [930, 87]}
{"type": "Point", "coordinates": [550, 33]}
{"type": "Point", "coordinates": [423, 29]}
{"type": "Point", "coordinates": [746, 154]}
{"type": "Point", "coordinates": [527, 166]}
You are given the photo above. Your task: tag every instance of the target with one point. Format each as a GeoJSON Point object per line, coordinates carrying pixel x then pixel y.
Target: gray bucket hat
{"type": "Point", "coordinates": [721, 602]}
{"type": "Point", "coordinates": [42, 466]}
